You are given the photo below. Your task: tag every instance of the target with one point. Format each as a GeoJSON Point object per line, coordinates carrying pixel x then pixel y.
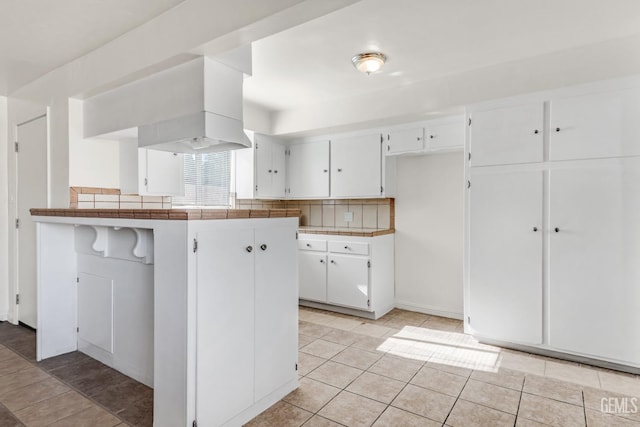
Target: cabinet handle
{"type": "Point", "coordinates": [535, 229]}
{"type": "Point", "coordinates": [557, 129]}
{"type": "Point", "coordinates": [339, 170]}
{"type": "Point", "coordinates": [263, 247]}
{"type": "Point", "coordinates": [536, 131]}
{"type": "Point", "coordinates": [556, 229]}
{"type": "Point", "coordinates": [249, 248]}
{"type": "Point", "coordinates": [321, 261]}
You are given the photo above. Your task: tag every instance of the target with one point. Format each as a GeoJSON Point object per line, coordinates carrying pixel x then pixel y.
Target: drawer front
{"type": "Point", "coordinates": [312, 245]}
{"type": "Point", "coordinates": [344, 247]}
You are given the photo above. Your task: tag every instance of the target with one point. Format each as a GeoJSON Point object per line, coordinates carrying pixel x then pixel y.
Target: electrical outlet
{"type": "Point", "coordinates": [348, 216]}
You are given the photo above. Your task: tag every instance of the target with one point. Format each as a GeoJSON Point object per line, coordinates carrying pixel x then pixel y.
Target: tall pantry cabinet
{"type": "Point", "coordinates": [552, 230]}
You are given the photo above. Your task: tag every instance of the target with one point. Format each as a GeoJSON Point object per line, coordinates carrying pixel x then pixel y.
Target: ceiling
{"type": "Point", "coordinates": [38, 36]}
{"type": "Point", "coordinates": [423, 39]}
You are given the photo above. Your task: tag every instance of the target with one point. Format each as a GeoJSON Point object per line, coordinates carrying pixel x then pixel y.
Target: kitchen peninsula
{"type": "Point", "coordinates": [199, 304]}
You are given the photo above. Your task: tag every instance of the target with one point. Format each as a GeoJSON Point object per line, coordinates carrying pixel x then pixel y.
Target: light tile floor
{"type": "Point", "coordinates": [412, 369]}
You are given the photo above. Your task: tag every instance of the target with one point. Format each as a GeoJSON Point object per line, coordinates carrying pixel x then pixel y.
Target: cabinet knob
{"type": "Point", "coordinates": [536, 131]}
{"type": "Point", "coordinates": [325, 170]}
{"type": "Point", "coordinates": [249, 248]}
{"type": "Point", "coordinates": [557, 129]}
{"type": "Point", "coordinates": [339, 170]}
{"type": "Point", "coordinates": [321, 261]}
{"type": "Point", "coordinates": [263, 247]}
{"type": "Point", "coordinates": [346, 247]}
{"type": "Point", "coordinates": [535, 229]}
{"type": "Point", "coordinates": [269, 171]}
{"type": "Point", "coordinates": [389, 147]}
{"type": "Point", "coordinates": [556, 229]}
{"type": "Point", "coordinates": [430, 137]}
{"type": "Point", "coordinates": [308, 245]}
{"type": "Point", "coordinates": [275, 171]}
{"type": "Point", "coordinates": [333, 262]}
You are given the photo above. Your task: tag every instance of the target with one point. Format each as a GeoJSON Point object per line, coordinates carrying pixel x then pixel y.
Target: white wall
{"type": "Point", "coordinates": [429, 233]}
{"type": "Point", "coordinates": [4, 210]}
{"type": "Point", "coordinates": [92, 162]}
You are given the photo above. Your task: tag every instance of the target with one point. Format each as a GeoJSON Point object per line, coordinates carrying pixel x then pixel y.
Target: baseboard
{"type": "Point", "coordinates": [434, 311]}
{"type": "Point", "coordinates": [4, 316]}
{"type": "Point", "coordinates": [263, 404]}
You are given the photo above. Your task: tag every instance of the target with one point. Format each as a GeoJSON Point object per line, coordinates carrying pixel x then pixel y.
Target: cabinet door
{"type": "Point", "coordinates": [405, 140]}
{"type": "Point", "coordinates": [308, 170]}
{"type": "Point", "coordinates": [506, 256]}
{"type": "Point", "coordinates": [313, 276]}
{"type": "Point", "coordinates": [263, 167]}
{"type": "Point", "coordinates": [278, 162]}
{"type": "Point", "coordinates": [225, 325]}
{"type": "Point", "coordinates": [356, 166]}
{"type": "Point", "coordinates": [445, 136]}
{"type": "Point", "coordinates": [165, 173]}
{"type": "Point", "coordinates": [507, 135]}
{"type": "Point", "coordinates": [276, 309]}
{"type": "Point", "coordinates": [595, 125]}
{"type": "Point", "coordinates": [348, 281]}
{"type": "Point", "coordinates": [594, 301]}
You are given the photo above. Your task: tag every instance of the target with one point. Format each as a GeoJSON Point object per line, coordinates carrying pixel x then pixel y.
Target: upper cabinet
{"type": "Point", "coordinates": [150, 172]}
{"type": "Point", "coordinates": [428, 137]}
{"type": "Point", "coordinates": [447, 134]}
{"type": "Point", "coordinates": [261, 169]}
{"type": "Point", "coordinates": [507, 135]}
{"type": "Point", "coordinates": [356, 166]}
{"type": "Point", "coordinates": [400, 141]}
{"type": "Point", "coordinates": [595, 125]}
{"type": "Point", "coordinates": [308, 170]}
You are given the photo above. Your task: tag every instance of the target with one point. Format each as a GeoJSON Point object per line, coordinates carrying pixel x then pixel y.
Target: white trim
{"type": "Point", "coordinates": [427, 309]}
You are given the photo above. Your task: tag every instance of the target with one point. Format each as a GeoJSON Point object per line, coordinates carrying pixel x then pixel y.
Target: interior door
{"type": "Point", "coordinates": [276, 306]}
{"type": "Point", "coordinates": [313, 276]}
{"type": "Point", "coordinates": [594, 301]}
{"type": "Point", "coordinates": [31, 193]}
{"type": "Point", "coordinates": [308, 170]}
{"type": "Point", "coordinates": [356, 166]}
{"type": "Point", "coordinates": [348, 281]}
{"type": "Point", "coordinates": [225, 324]}
{"type": "Point", "coordinates": [506, 255]}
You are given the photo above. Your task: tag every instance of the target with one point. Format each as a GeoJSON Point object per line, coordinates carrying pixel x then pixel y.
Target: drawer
{"type": "Point", "coordinates": [312, 245]}
{"type": "Point", "coordinates": [354, 248]}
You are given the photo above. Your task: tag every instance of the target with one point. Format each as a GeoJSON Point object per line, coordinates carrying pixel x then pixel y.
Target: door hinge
{"type": "Point", "coordinates": [17, 222]}
{"type": "Point", "coordinates": [381, 190]}
{"type": "Point", "coordinates": [194, 424]}
{"type": "Point", "coordinates": [17, 299]}
{"type": "Point", "coordinates": [78, 329]}
{"type": "Point", "coordinates": [468, 184]}
{"type": "Point", "coordinates": [77, 280]}
{"type": "Point", "coordinates": [256, 145]}
{"type": "Point", "coordinates": [296, 235]}
{"type": "Point", "coordinates": [296, 366]}
{"type": "Point", "coordinates": [368, 264]}
{"type": "Point", "coordinates": [469, 121]}
{"type": "Point", "coordinates": [195, 245]}
{"type": "Point", "coordinates": [16, 147]}
{"type": "Point", "coordinates": [256, 188]}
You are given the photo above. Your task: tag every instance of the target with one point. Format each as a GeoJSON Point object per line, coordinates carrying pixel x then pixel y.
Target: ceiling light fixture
{"type": "Point", "coordinates": [369, 62]}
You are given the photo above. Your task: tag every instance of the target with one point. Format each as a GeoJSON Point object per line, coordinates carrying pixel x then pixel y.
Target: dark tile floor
{"type": "Point", "coordinates": [128, 400]}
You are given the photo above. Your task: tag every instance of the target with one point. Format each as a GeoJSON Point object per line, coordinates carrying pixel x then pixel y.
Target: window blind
{"type": "Point", "coordinates": [207, 178]}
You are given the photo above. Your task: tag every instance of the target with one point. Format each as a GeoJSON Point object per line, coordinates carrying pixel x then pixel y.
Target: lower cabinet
{"type": "Point", "coordinates": [350, 272]}
{"type": "Point", "coordinates": [246, 320]}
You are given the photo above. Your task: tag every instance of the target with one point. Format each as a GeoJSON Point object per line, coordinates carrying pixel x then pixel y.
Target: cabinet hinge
{"type": "Point", "coordinates": [381, 190]}
{"type": "Point", "coordinates": [146, 182]}
{"type": "Point", "coordinates": [468, 184]}
{"type": "Point", "coordinates": [17, 299]}
{"type": "Point", "coordinates": [296, 366]}
{"type": "Point", "coordinates": [368, 264]}
{"type": "Point", "coordinates": [368, 303]}
{"type": "Point", "coordinates": [17, 222]}
{"type": "Point", "coordinates": [195, 245]}
{"type": "Point", "coordinates": [381, 138]}
{"type": "Point", "coordinates": [78, 329]}
{"type": "Point", "coordinates": [77, 280]}
{"type": "Point", "coordinates": [194, 424]}
{"type": "Point", "coordinates": [256, 145]}
{"type": "Point", "coordinates": [469, 155]}
{"type": "Point", "coordinates": [469, 121]}
{"type": "Point", "coordinates": [296, 235]}
{"type": "Point", "coordinates": [469, 319]}
{"type": "Point", "coordinates": [16, 147]}
{"type": "Point", "coordinates": [256, 188]}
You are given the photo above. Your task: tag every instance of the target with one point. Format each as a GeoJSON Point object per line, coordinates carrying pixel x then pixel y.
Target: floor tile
{"type": "Point", "coordinates": [376, 387]}
{"type": "Point", "coordinates": [311, 395]}
{"type": "Point", "coordinates": [551, 412]}
{"type": "Point", "coordinates": [467, 414]}
{"type": "Point", "coordinates": [318, 421]}
{"type": "Point", "coordinates": [523, 422]}
{"type": "Point", "coordinates": [13, 364]}
{"type": "Point", "coordinates": [452, 369]}
{"type": "Point", "coordinates": [598, 419]}
{"type": "Point", "coordinates": [553, 389]}
{"type": "Point", "coordinates": [7, 419]}
{"type": "Point", "coordinates": [522, 362]}
{"type": "Point", "coordinates": [396, 368]}
{"type": "Point", "coordinates": [609, 402]}
{"type": "Point", "coordinates": [574, 374]}
{"type": "Point", "coordinates": [345, 324]}
{"type": "Point", "coordinates": [371, 330]}
{"type": "Point", "coordinates": [48, 411]}
{"type": "Point", "coordinates": [620, 383]}
{"type": "Point", "coordinates": [312, 330]}
{"type": "Point", "coordinates": [357, 358]}
{"type": "Point", "coordinates": [493, 396]}
{"type": "Point", "coordinates": [20, 379]}
{"type": "Point", "coordinates": [93, 416]}
{"type": "Point", "coordinates": [322, 348]}
{"type": "Point", "coordinates": [304, 340]}
{"type": "Point", "coordinates": [307, 363]}
{"type": "Point", "coordinates": [335, 374]}
{"type": "Point", "coordinates": [118, 397]}
{"type": "Point", "coordinates": [371, 344]}
{"type": "Point", "coordinates": [427, 403]}
{"type": "Point", "coordinates": [440, 381]}
{"type": "Point", "coordinates": [394, 417]}
{"type": "Point", "coordinates": [139, 412]}
{"type": "Point", "coordinates": [504, 378]}
{"type": "Point", "coordinates": [352, 410]}
{"type": "Point", "coordinates": [63, 360]}
{"type": "Point", "coordinates": [342, 337]}
{"type": "Point", "coordinates": [33, 393]}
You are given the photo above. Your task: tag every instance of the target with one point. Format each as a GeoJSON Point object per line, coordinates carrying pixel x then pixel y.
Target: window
{"type": "Point", "coordinates": [207, 178]}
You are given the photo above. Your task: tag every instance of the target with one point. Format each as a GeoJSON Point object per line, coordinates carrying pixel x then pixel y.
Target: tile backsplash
{"type": "Point", "coordinates": [364, 213]}
{"type": "Point", "coordinates": [110, 198]}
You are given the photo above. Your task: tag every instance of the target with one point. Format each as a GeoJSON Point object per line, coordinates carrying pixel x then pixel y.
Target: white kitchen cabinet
{"type": "Point", "coordinates": [400, 141]}
{"type": "Point", "coordinates": [308, 170]}
{"type": "Point", "coordinates": [260, 171]}
{"type": "Point", "coordinates": [596, 125]}
{"type": "Point", "coordinates": [507, 135]}
{"type": "Point", "coordinates": [356, 166]}
{"type": "Point", "coordinates": [348, 281]}
{"type": "Point", "coordinates": [150, 172]}
{"type": "Point", "coordinates": [506, 255]}
{"type": "Point", "coordinates": [446, 134]}
{"type": "Point", "coordinates": [594, 300]}
{"type": "Point", "coordinates": [349, 273]}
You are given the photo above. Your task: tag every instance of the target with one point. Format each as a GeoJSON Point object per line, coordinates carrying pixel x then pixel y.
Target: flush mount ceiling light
{"type": "Point", "coordinates": [369, 62]}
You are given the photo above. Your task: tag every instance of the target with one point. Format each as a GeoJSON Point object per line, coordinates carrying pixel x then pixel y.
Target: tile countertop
{"type": "Point", "coordinates": [341, 231]}
{"type": "Point", "coordinates": [169, 214]}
